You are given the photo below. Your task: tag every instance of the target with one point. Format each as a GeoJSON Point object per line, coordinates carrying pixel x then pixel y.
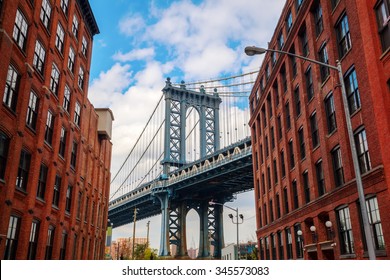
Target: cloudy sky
{"type": "Point", "coordinates": [141, 43]}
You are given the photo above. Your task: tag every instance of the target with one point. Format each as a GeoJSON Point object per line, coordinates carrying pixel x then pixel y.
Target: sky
{"type": "Point", "coordinates": [141, 43]}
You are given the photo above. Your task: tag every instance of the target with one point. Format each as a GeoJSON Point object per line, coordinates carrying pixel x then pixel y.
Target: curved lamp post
{"type": "Point", "coordinates": [252, 50]}
{"type": "Point", "coordinates": [234, 222]}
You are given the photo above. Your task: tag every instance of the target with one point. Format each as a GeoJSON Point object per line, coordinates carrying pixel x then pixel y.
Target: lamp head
{"type": "Point", "coordinates": [328, 224]}
{"type": "Point", "coordinates": [231, 216]}
{"type": "Point", "coordinates": [252, 50]}
{"type": "Point", "coordinates": [312, 228]}
{"type": "Point", "coordinates": [299, 232]}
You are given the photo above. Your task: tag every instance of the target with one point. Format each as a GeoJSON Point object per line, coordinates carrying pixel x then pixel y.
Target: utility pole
{"type": "Point", "coordinates": [147, 234]}
{"type": "Point", "coordinates": [135, 219]}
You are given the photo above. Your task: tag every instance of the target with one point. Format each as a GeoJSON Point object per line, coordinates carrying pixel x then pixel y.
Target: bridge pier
{"type": "Point", "coordinates": [177, 229]}
{"type": "Point", "coordinates": [204, 245]}
{"type": "Point", "coordinates": [164, 235]}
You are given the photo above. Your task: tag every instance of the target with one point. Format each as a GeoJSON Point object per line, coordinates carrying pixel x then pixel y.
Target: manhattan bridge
{"type": "Point", "coordinates": [193, 153]}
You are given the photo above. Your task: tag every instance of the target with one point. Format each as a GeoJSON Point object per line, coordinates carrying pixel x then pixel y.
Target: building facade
{"type": "Point", "coordinates": [306, 195]}
{"type": "Point", "coordinates": [55, 149]}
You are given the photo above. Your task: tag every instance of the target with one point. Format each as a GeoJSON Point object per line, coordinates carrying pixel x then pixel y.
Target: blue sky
{"type": "Point", "coordinates": [141, 43]}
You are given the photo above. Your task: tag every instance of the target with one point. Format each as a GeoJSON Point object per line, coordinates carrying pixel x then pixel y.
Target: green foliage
{"type": "Point", "coordinates": [143, 252]}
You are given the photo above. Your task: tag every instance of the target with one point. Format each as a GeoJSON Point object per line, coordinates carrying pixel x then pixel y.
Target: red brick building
{"type": "Point", "coordinates": [55, 149]}
{"type": "Point", "coordinates": [304, 178]}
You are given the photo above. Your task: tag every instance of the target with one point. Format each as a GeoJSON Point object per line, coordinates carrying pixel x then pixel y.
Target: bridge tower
{"type": "Point", "coordinates": [177, 101]}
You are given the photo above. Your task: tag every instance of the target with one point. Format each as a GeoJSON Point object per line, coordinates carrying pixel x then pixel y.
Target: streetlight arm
{"type": "Point", "coordinates": [255, 50]}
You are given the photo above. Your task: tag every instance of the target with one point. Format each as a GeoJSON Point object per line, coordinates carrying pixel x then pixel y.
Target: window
{"type": "Point", "coordinates": [42, 181]}
{"type": "Point", "coordinates": [266, 146]}
{"type": "Point", "coordinates": [54, 79]}
{"type": "Point", "coordinates": [11, 88]}
{"type": "Point", "coordinates": [298, 4]}
{"type": "Point", "coordinates": [295, 194]}
{"type": "Point", "coordinates": [11, 243]}
{"type": "Point", "coordinates": [280, 40]}
{"type": "Point", "coordinates": [81, 78]}
{"type": "Point", "coordinates": [297, 102]}
{"type": "Point", "coordinates": [71, 59]}
{"type": "Point", "coordinates": [56, 192]}
{"type": "Point", "coordinates": [75, 26]}
{"type": "Point", "coordinates": [301, 139]}
{"type": "Point", "coordinates": [304, 42]}
{"type": "Point", "coordinates": [382, 10]}
{"type": "Point", "coordinates": [278, 210]}
{"type": "Point", "coordinates": [68, 201]}
{"type": "Point", "coordinates": [337, 167]}
{"type": "Point", "coordinates": [280, 131]}
{"type": "Point", "coordinates": [32, 111]}
{"type": "Point", "coordinates": [343, 36]}
{"type": "Point", "coordinates": [49, 242]}
{"type": "Point", "coordinates": [273, 58]}
{"type": "Point", "coordinates": [271, 210]}
{"type": "Point", "coordinates": [66, 103]}
{"type": "Point", "coordinates": [269, 105]}
{"type": "Point", "coordinates": [65, 6]}
{"type": "Point", "coordinates": [263, 182]}
{"type": "Point", "coordinates": [49, 128]}
{"type": "Point", "coordinates": [293, 61]}
{"type": "Point", "coordinates": [264, 115]}
{"type": "Point", "coordinates": [20, 30]}
{"type": "Point", "coordinates": [362, 151]}
{"type": "Point", "coordinates": [352, 90]}
{"type": "Point", "coordinates": [374, 219]}
{"type": "Point", "coordinates": [291, 153]}
{"type": "Point", "coordinates": [275, 172]}
{"type": "Point", "coordinates": [284, 79]}
{"type": "Point", "coordinates": [345, 231]}
{"type": "Point", "coordinates": [84, 46]}
{"type": "Point", "coordinates": [315, 137]}
{"type": "Point", "coordinates": [306, 186]}
{"type": "Point", "coordinates": [73, 155]}
{"type": "Point", "coordinates": [267, 72]}
{"type": "Point", "coordinates": [330, 113]}
{"type": "Point", "coordinates": [309, 84]}
{"type": "Point", "coordinates": [33, 241]}
{"type": "Point", "coordinates": [272, 138]}
{"type": "Point", "coordinates": [276, 92]}
{"type": "Point", "coordinates": [261, 154]}
{"type": "Point", "coordinates": [64, 241]}
{"type": "Point", "coordinates": [77, 112]}
{"type": "Point", "coordinates": [61, 150]}
{"type": "Point", "coordinates": [283, 164]}
{"type": "Point", "coordinates": [24, 168]}
{"type": "Point", "coordinates": [280, 245]}
{"type": "Point", "coordinates": [39, 57]}
{"type": "Point", "coordinates": [4, 146]}
{"type": "Point", "coordinates": [285, 197]}
{"type": "Point", "coordinates": [289, 21]}
{"type": "Point", "coordinates": [288, 243]}
{"type": "Point", "coordinates": [45, 13]}
{"type": "Point", "coordinates": [261, 248]}
{"type": "Point", "coordinates": [269, 177]}
{"type": "Point", "coordinates": [60, 35]}
{"type": "Point", "coordinates": [323, 56]}
{"type": "Point", "coordinates": [288, 117]}
{"type": "Point", "coordinates": [318, 19]}
{"type": "Point", "coordinates": [320, 178]}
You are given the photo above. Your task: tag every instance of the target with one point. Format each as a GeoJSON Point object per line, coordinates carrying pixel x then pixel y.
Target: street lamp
{"type": "Point", "coordinates": [252, 50]}
{"type": "Point", "coordinates": [236, 222]}
{"type": "Point", "coordinates": [300, 241]}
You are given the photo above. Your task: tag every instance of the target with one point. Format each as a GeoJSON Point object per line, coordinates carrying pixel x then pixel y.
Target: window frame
{"type": "Point", "coordinates": [11, 90]}
{"type": "Point", "coordinates": [12, 238]}
{"type": "Point", "coordinates": [60, 38]}
{"type": "Point", "coordinates": [33, 239]}
{"type": "Point", "coordinates": [49, 128]}
{"type": "Point", "coordinates": [42, 181]}
{"type": "Point", "coordinates": [362, 151]}
{"type": "Point", "coordinates": [337, 164]}
{"type": "Point", "coordinates": [344, 43]}
{"type": "Point", "coordinates": [32, 110]}
{"type": "Point", "coordinates": [23, 170]}
{"type": "Point", "coordinates": [4, 147]}
{"type": "Point", "coordinates": [20, 30]}
{"type": "Point", "coordinates": [352, 91]}
{"type": "Point", "coordinates": [45, 13]}
{"type": "Point", "coordinates": [330, 110]}
{"type": "Point", "coordinates": [39, 57]}
{"type": "Point", "coordinates": [344, 229]}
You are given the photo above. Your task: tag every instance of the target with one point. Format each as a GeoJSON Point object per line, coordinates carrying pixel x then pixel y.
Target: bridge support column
{"type": "Point", "coordinates": [204, 244]}
{"type": "Point", "coordinates": [177, 229]}
{"type": "Point", "coordinates": [164, 236]}
{"type": "Point", "coordinates": [216, 230]}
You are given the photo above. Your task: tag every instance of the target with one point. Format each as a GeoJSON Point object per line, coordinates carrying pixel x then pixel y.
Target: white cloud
{"type": "Point", "coordinates": [136, 54]}
{"type": "Point", "coordinates": [131, 24]}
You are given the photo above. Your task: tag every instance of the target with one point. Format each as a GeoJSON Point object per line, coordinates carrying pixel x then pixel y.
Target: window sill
{"type": "Point", "coordinates": [378, 253]}
{"type": "Point", "coordinates": [348, 256]}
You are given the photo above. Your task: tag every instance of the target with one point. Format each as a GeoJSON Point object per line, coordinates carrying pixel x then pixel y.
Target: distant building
{"type": "Point", "coordinates": [246, 249]}
{"type": "Point", "coordinates": [303, 170]}
{"type": "Point", "coordinates": [193, 253]}
{"type": "Point", "coordinates": [122, 248]}
{"type": "Point", "coordinates": [55, 149]}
